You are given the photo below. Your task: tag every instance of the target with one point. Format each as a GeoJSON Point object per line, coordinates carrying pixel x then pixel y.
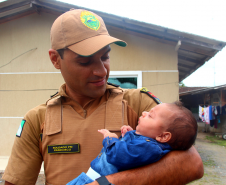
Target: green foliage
{"type": "Point", "coordinates": [209, 162]}
{"type": "Point", "coordinates": [181, 84]}
{"type": "Point", "coordinates": [208, 178]}
{"type": "Point", "coordinates": [216, 140]}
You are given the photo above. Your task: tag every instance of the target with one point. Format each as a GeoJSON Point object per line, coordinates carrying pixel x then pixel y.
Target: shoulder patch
{"type": "Point", "coordinates": [20, 129]}
{"type": "Point", "coordinates": [41, 136]}
{"type": "Point", "coordinates": [53, 95]}
{"type": "Point", "coordinates": [112, 84]}
{"type": "Point", "coordinates": [146, 91]}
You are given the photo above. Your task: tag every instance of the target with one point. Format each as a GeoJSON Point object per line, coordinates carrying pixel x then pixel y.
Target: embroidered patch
{"type": "Point", "coordinates": [112, 84]}
{"type": "Point", "coordinates": [41, 136]}
{"type": "Point", "coordinates": [63, 149]}
{"type": "Point", "coordinates": [53, 95]}
{"type": "Point", "coordinates": [90, 20]}
{"type": "Point", "coordinates": [146, 91]}
{"type": "Point", "coordinates": [20, 129]}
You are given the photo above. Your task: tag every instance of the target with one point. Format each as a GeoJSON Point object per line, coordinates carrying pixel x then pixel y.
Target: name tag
{"type": "Point", "coordinates": [63, 149]}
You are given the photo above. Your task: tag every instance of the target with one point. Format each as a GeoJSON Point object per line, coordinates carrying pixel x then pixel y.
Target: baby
{"type": "Point", "coordinates": [164, 128]}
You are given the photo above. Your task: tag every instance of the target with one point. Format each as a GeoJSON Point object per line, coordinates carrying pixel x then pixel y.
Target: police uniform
{"type": "Point", "coordinates": [64, 135]}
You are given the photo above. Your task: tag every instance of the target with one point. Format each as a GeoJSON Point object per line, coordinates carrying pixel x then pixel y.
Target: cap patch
{"type": "Point", "coordinates": [20, 129]}
{"type": "Point", "coordinates": [90, 20]}
{"type": "Point", "coordinates": [146, 91]}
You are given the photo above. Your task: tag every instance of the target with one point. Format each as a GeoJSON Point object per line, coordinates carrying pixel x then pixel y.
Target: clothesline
{"type": "Point", "coordinates": [211, 114]}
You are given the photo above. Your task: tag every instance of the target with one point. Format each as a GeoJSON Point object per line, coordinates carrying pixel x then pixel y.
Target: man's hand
{"type": "Point", "coordinates": [107, 133]}
{"type": "Point", "coordinates": [124, 129]}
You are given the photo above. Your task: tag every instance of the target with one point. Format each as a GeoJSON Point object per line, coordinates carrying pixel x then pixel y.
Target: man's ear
{"type": "Point", "coordinates": [164, 137]}
{"type": "Point", "coordinates": [55, 58]}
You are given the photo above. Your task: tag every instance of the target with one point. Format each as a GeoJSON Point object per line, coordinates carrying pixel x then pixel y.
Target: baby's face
{"type": "Point", "coordinates": [154, 123]}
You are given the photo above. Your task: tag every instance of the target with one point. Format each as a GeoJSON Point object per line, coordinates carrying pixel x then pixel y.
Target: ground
{"type": "Point", "coordinates": [214, 160]}
{"type": "Point", "coordinates": [213, 157]}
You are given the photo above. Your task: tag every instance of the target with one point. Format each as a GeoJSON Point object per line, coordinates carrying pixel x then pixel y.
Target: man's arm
{"type": "Point", "coordinates": [25, 160]}
{"type": "Point", "coordinates": [177, 167]}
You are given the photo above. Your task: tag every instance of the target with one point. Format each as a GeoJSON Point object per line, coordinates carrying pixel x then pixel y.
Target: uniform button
{"type": "Point", "coordinates": [147, 140]}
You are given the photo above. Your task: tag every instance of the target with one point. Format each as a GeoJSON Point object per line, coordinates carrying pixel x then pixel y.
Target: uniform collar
{"type": "Point", "coordinates": [90, 106]}
{"type": "Point", "coordinates": [62, 90]}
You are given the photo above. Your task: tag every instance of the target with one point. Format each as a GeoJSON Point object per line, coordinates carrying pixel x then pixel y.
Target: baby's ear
{"type": "Point", "coordinates": [164, 137]}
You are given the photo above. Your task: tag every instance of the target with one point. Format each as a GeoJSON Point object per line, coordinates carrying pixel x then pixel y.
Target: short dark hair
{"type": "Point", "coordinates": [183, 128]}
{"type": "Point", "coordinates": [61, 52]}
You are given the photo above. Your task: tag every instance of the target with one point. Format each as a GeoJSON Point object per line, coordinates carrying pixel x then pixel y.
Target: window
{"type": "Point", "coordinates": [126, 79]}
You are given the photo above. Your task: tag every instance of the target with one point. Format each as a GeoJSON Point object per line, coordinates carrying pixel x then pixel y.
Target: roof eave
{"type": "Point", "coordinates": [193, 50]}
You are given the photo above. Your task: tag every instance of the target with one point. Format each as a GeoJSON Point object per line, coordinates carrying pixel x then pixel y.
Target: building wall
{"type": "Point", "coordinates": [29, 79]}
{"type": "Point", "coordinates": [157, 61]}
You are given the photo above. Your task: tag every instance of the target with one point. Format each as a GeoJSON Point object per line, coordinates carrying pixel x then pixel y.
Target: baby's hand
{"type": "Point", "coordinates": [106, 133]}
{"type": "Point", "coordinates": [124, 129]}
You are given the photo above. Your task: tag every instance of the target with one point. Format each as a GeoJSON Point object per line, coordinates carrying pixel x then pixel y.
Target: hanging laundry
{"type": "Point", "coordinates": [214, 112]}
{"type": "Point", "coordinates": [206, 115]}
{"type": "Point", "coordinates": [212, 122]}
{"type": "Point", "coordinates": [214, 109]}
{"type": "Point", "coordinates": [218, 110]}
{"type": "Point", "coordinates": [223, 110]}
{"type": "Point", "coordinates": [201, 113]}
{"type": "Point", "coordinates": [218, 119]}
{"type": "Point", "coordinates": [210, 113]}
{"type": "Point", "coordinates": [215, 123]}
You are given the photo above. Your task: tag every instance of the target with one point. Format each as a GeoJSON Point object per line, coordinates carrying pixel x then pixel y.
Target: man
{"type": "Point", "coordinates": [63, 132]}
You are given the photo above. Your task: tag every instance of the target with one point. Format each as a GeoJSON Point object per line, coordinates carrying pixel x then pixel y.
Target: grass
{"type": "Point", "coordinates": [209, 162]}
{"type": "Point", "coordinates": [208, 178]}
{"type": "Point", "coordinates": [211, 174]}
{"type": "Point", "coordinates": [216, 140]}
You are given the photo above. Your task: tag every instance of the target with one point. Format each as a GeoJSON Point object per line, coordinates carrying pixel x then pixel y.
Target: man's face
{"type": "Point", "coordinates": [155, 122]}
{"type": "Point", "coordinates": [86, 77]}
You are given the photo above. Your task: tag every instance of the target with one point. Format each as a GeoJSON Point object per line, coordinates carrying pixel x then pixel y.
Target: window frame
{"type": "Point", "coordinates": [127, 74]}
